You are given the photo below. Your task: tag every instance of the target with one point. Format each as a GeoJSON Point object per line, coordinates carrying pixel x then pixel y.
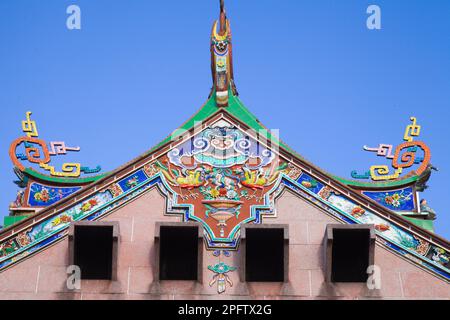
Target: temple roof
{"type": "Point", "coordinates": [224, 101]}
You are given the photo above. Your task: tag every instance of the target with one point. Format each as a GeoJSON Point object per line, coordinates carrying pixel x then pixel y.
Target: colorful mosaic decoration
{"type": "Point", "coordinates": [38, 153]}
{"type": "Point", "coordinates": [396, 237]}
{"type": "Point", "coordinates": [41, 195]}
{"type": "Point", "coordinates": [221, 277]}
{"type": "Point", "coordinates": [224, 176]}
{"type": "Point", "coordinates": [131, 182]}
{"type": "Point", "coordinates": [221, 58]}
{"type": "Point", "coordinates": [310, 183]}
{"type": "Point", "coordinates": [405, 155]}
{"type": "Point", "coordinates": [397, 200]}
{"type": "Point", "coordinates": [187, 176]}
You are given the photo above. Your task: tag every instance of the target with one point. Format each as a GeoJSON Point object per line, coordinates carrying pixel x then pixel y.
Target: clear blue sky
{"type": "Point", "coordinates": [138, 69]}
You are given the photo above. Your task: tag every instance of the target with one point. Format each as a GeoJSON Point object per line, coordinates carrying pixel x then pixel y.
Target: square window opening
{"type": "Point", "coordinates": [350, 255]}
{"type": "Point", "coordinates": [93, 251]}
{"type": "Point", "coordinates": [178, 255]}
{"type": "Point", "coordinates": [264, 255]}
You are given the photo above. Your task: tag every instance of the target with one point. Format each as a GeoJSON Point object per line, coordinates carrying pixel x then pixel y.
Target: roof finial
{"type": "Point", "coordinates": [223, 18]}
{"type": "Point", "coordinates": [221, 59]}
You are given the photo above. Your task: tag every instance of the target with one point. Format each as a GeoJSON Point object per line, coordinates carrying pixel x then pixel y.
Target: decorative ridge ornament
{"type": "Point", "coordinates": [221, 59]}
{"type": "Point", "coordinates": [191, 172]}
{"type": "Point", "coordinates": [36, 151]}
{"type": "Point", "coordinates": [406, 155]}
{"type": "Point", "coordinates": [222, 177]}
{"type": "Point", "coordinates": [42, 183]}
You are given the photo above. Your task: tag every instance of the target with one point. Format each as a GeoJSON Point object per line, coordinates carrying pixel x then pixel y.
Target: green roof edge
{"type": "Point", "coordinates": [242, 113]}
{"type": "Point", "coordinates": [74, 181]}
{"type": "Point", "coordinates": [237, 109]}
{"type": "Point", "coordinates": [384, 184]}
{"type": "Point", "coordinates": [426, 224]}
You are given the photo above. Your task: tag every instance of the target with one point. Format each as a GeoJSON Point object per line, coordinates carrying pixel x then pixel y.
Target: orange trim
{"type": "Point", "coordinates": [407, 159]}
{"type": "Point", "coordinates": [33, 154]}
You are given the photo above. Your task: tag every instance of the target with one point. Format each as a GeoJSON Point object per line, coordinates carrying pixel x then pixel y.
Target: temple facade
{"type": "Point", "coordinates": [221, 209]}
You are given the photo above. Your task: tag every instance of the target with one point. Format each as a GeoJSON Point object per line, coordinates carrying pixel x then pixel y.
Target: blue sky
{"type": "Point", "coordinates": [138, 69]}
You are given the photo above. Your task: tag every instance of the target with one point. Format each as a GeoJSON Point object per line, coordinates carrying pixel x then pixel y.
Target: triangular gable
{"type": "Point", "coordinates": [223, 168]}
{"type": "Point", "coordinates": [187, 182]}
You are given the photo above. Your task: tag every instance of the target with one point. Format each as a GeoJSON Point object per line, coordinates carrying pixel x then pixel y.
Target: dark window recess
{"type": "Point", "coordinates": [350, 255]}
{"type": "Point", "coordinates": [264, 255]}
{"type": "Point", "coordinates": [178, 255]}
{"type": "Point", "coordinates": [93, 249]}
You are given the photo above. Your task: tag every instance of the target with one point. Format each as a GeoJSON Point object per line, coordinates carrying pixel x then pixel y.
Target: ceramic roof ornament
{"type": "Point", "coordinates": [221, 173]}
{"type": "Point", "coordinates": [222, 59]}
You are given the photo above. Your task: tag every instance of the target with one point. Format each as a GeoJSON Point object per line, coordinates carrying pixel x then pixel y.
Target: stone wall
{"type": "Point", "coordinates": [43, 276]}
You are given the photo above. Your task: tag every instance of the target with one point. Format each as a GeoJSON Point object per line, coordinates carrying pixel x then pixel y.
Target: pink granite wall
{"type": "Point", "coordinates": [43, 276]}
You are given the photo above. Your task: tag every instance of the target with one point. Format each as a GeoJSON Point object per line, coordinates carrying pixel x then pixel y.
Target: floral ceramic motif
{"type": "Point", "coordinates": [221, 271]}
{"type": "Point", "coordinates": [224, 174]}
{"type": "Point", "coordinates": [40, 195]}
{"type": "Point", "coordinates": [399, 200]}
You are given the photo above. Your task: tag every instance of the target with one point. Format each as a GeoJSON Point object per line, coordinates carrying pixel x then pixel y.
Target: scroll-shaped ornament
{"type": "Point", "coordinates": [382, 173]}
{"type": "Point", "coordinates": [60, 148]}
{"type": "Point", "coordinates": [407, 159]}
{"type": "Point", "coordinates": [413, 130]}
{"type": "Point", "coordinates": [69, 170]}
{"type": "Point", "coordinates": [383, 150]}
{"type": "Point", "coordinates": [356, 175]}
{"type": "Point", "coordinates": [29, 127]}
{"type": "Point", "coordinates": [36, 151]}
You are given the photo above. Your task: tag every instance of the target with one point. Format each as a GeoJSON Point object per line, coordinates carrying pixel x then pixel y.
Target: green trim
{"type": "Point", "coordinates": [208, 109]}
{"type": "Point", "coordinates": [10, 220]}
{"type": "Point", "coordinates": [237, 109]}
{"type": "Point", "coordinates": [426, 224]}
{"type": "Point", "coordinates": [384, 184]}
{"type": "Point", "coordinates": [74, 181]}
